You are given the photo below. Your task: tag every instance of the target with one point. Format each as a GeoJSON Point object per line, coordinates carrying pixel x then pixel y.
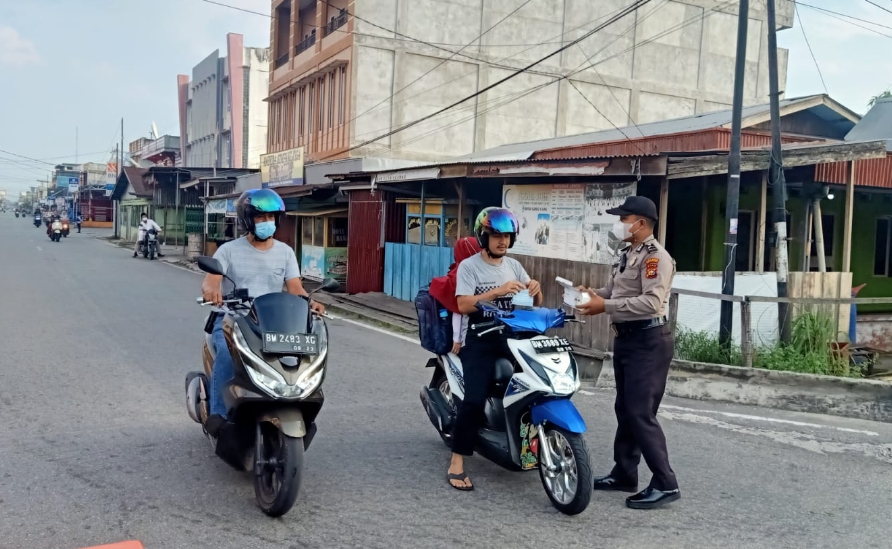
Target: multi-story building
{"type": "Point", "coordinates": [159, 151]}
{"type": "Point", "coordinates": [223, 117]}
{"type": "Point", "coordinates": [346, 72]}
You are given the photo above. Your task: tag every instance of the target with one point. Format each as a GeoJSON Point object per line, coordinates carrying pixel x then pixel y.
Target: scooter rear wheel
{"type": "Point", "coordinates": [570, 487]}
{"type": "Point", "coordinates": [278, 462]}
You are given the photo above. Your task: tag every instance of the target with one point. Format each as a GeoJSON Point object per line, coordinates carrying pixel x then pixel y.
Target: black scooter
{"type": "Point", "coordinates": [38, 221]}
{"type": "Point", "coordinates": [279, 352]}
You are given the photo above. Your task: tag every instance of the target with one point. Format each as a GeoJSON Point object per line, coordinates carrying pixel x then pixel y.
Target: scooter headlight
{"type": "Point", "coordinates": [270, 381]}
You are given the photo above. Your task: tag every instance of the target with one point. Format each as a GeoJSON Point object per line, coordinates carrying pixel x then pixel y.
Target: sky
{"type": "Point", "coordinates": [71, 69]}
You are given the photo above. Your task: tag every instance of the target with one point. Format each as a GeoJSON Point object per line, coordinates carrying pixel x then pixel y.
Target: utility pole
{"type": "Point", "coordinates": [777, 181]}
{"type": "Point", "coordinates": [733, 200]}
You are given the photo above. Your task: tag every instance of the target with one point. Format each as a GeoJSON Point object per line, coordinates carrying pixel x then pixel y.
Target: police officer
{"type": "Point", "coordinates": [636, 299]}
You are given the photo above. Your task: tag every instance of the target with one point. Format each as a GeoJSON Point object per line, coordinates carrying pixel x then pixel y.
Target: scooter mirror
{"type": "Point", "coordinates": [209, 265]}
{"type": "Point", "coordinates": [330, 285]}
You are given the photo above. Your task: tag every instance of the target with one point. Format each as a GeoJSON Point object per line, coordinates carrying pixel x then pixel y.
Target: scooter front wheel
{"type": "Point", "coordinates": [569, 484]}
{"type": "Point", "coordinates": [278, 463]}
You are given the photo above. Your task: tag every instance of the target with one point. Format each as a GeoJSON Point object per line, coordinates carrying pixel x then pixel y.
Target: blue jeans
{"type": "Point", "coordinates": [223, 368]}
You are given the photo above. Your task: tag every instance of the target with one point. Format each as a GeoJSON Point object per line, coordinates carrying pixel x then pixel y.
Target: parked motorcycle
{"type": "Point", "coordinates": [66, 228]}
{"type": "Point", "coordinates": [530, 422]}
{"type": "Point", "coordinates": [148, 246]}
{"type": "Point", "coordinates": [279, 352]}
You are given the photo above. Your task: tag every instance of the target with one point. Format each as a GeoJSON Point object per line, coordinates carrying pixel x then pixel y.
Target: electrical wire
{"type": "Point", "coordinates": [626, 11]}
{"type": "Point", "coordinates": [813, 58]}
{"type": "Point", "coordinates": [845, 18]}
{"type": "Point", "coordinates": [872, 3]}
{"type": "Point", "coordinates": [444, 61]}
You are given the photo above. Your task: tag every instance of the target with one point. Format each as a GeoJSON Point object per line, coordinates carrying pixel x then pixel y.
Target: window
{"type": "Point", "coordinates": [330, 107]}
{"type": "Point", "coordinates": [319, 231]}
{"type": "Point", "coordinates": [337, 232]}
{"type": "Point", "coordinates": [311, 118]}
{"type": "Point", "coordinates": [306, 231]}
{"type": "Point", "coordinates": [881, 251]}
{"type": "Point", "coordinates": [301, 108]}
{"type": "Point", "coordinates": [343, 95]}
{"type": "Point", "coordinates": [321, 123]}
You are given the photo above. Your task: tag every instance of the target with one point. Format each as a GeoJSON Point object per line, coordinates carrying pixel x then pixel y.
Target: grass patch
{"type": "Point", "coordinates": [810, 351]}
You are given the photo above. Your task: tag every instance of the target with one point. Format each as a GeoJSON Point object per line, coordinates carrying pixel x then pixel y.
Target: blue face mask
{"type": "Point", "coordinates": [264, 230]}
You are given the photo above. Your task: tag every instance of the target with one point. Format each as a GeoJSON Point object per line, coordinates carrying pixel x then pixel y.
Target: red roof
{"type": "Point", "coordinates": [135, 176]}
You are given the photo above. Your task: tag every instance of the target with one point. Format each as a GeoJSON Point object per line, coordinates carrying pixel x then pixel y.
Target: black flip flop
{"type": "Point", "coordinates": [459, 476]}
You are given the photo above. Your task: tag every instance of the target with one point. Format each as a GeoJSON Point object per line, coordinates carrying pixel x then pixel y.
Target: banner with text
{"type": "Point", "coordinates": [566, 221]}
{"type": "Point", "coordinates": [282, 168]}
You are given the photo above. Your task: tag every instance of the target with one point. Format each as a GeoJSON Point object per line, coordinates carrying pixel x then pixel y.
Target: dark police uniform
{"type": "Point", "coordinates": [636, 300]}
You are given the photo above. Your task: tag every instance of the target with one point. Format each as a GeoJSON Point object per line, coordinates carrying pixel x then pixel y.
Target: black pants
{"type": "Point", "coordinates": [478, 358]}
{"type": "Point", "coordinates": [641, 363]}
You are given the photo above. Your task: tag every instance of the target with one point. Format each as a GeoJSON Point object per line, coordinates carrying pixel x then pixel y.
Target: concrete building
{"type": "Point", "coordinates": [160, 151]}
{"type": "Point", "coordinates": [340, 81]}
{"type": "Point", "coordinates": [223, 117]}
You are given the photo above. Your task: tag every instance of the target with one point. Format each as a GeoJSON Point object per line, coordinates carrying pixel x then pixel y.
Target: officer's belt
{"type": "Point", "coordinates": [621, 329]}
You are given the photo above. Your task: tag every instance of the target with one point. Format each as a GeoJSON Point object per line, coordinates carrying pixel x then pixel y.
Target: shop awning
{"type": "Point", "coordinates": [318, 212]}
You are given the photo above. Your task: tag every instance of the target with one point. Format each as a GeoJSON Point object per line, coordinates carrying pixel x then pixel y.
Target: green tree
{"type": "Point", "coordinates": [876, 98]}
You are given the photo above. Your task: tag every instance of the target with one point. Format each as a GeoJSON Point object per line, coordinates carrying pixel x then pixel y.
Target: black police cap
{"type": "Point", "coordinates": [636, 205]}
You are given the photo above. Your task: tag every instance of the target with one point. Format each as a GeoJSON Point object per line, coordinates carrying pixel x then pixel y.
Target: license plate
{"type": "Point", "coordinates": [287, 344]}
{"type": "Point", "coordinates": [552, 345]}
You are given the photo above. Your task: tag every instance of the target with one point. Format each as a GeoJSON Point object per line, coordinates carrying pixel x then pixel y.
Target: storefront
{"type": "Point", "coordinates": [221, 223]}
{"type": "Point", "coordinates": [323, 243]}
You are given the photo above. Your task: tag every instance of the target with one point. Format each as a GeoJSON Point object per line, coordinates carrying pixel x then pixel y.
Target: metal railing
{"type": "Point", "coordinates": [282, 60]}
{"type": "Point", "coordinates": [336, 22]}
{"type": "Point", "coordinates": [305, 44]}
{"type": "Point", "coordinates": [756, 317]}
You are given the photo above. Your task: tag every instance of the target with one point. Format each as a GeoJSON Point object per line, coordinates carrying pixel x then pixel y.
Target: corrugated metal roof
{"type": "Point", "coordinates": [698, 122]}
{"type": "Point", "coordinates": [875, 125]}
{"type": "Point", "coordinates": [874, 172]}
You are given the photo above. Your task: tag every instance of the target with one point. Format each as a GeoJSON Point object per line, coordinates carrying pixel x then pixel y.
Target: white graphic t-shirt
{"type": "Point", "coordinates": [476, 277]}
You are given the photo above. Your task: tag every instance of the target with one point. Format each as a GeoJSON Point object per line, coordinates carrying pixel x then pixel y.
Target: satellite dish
{"type": "Point", "coordinates": [154, 131]}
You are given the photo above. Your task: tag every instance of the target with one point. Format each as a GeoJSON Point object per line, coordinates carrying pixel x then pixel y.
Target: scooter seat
{"type": "Point", "coordinates": [502, 374]}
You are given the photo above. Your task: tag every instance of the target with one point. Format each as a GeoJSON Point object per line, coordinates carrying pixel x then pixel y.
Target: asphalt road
{"type": "Point", "coordinates": [96, 446]}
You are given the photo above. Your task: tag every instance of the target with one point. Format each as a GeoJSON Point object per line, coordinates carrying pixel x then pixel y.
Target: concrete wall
{"type": "Point", "coordinates": [226, 120]}
{"type": "Point", "coordinates": [256, 109]}
{"type": "Point", "coordinates": [647, 67]}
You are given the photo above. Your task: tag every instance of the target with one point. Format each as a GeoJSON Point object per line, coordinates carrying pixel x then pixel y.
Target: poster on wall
{"type": "Point", "coordinates": [566, 221]}
{"type": "Point", "coordinates": [282, 168]}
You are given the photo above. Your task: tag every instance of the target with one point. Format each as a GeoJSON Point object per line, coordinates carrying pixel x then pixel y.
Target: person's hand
{"type": "Point", "coordinates": [317, 307]}
{"type": "Point", "coordinates": [456, 347]}
{"type": "Point", "coordinates": [510, 288]}
{"type": "Point", "coordinates": [594, 306]}
{"type": "Point", "coordinates": [534, 287]}
{"type": "Point", "coordinates": [211, 293]}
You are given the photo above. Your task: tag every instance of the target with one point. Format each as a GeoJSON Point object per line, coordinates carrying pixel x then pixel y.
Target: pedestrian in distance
{"type": "Point", "coordinates": [636, 299]}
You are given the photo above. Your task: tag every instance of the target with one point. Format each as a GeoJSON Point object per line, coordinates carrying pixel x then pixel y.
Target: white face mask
{"type": "Point", "coordinates": [622, 231]}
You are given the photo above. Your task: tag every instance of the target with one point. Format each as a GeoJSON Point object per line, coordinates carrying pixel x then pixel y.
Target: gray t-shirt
{"type": "Point", "coordinates": [476, 277]}
{"type": "Point", "coordinates": [261, 272]}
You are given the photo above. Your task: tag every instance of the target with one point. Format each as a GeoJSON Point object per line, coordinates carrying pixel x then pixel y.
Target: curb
{"type": "Point", "coordinates": [866, 399]}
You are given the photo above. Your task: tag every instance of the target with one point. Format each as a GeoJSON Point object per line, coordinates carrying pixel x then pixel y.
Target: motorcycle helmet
{"type": "Point", "coordinates": [254, 202]}
{"type": "Point", "coordinates": [495, 220]}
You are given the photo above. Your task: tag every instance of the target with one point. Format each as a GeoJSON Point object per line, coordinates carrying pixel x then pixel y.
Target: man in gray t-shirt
{"type": "Point", "coordinates": [487, 276]}
{"type": "Point", "coordinates": [256, 262]}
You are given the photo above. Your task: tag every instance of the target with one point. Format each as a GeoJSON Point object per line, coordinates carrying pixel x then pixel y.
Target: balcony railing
{"type": "Point", "coordinates": [282, 60]}
{"type": "Point", "coordinates": [336, 22]}
{"type": "Point", "coordinates": [305, 44]}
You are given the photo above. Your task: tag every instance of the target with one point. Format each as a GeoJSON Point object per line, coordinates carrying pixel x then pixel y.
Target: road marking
{"type": "Point", "coordinates": [379, 330]}
{"type": "Point", "coordinates": [39, 249]}
{"type": "Point", "coordinates": [769, 419]}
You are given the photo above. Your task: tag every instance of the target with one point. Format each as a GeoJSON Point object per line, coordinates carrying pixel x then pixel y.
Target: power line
{"type": "Point", "coordinates": [801, 26]}
{"type": "Point", "coordinates": [28, 158]}
{"type": "Point", "coordinates": [872, 3]}
{"type": "Point", "coordinates": [845, 18]}
{"type": "Point", "coordinates": [444, 61]}
{"type": "Point", "coordinates": [626, 11]}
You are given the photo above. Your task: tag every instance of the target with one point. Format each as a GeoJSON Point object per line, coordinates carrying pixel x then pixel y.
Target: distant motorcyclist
{"type": "Point", "coordinates": [145, 225]}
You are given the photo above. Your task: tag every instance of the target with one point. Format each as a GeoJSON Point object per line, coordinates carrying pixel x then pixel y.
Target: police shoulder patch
{"type": "Point", "coordinates": [650, 267]}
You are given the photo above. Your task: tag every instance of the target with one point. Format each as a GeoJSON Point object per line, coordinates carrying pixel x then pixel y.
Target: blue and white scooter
{"type": "Point", "coordinates": [530, 422]}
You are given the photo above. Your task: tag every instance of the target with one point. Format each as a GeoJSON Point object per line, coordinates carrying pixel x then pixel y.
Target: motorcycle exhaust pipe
{"type": "Point", "coordinates": [438, 410]}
